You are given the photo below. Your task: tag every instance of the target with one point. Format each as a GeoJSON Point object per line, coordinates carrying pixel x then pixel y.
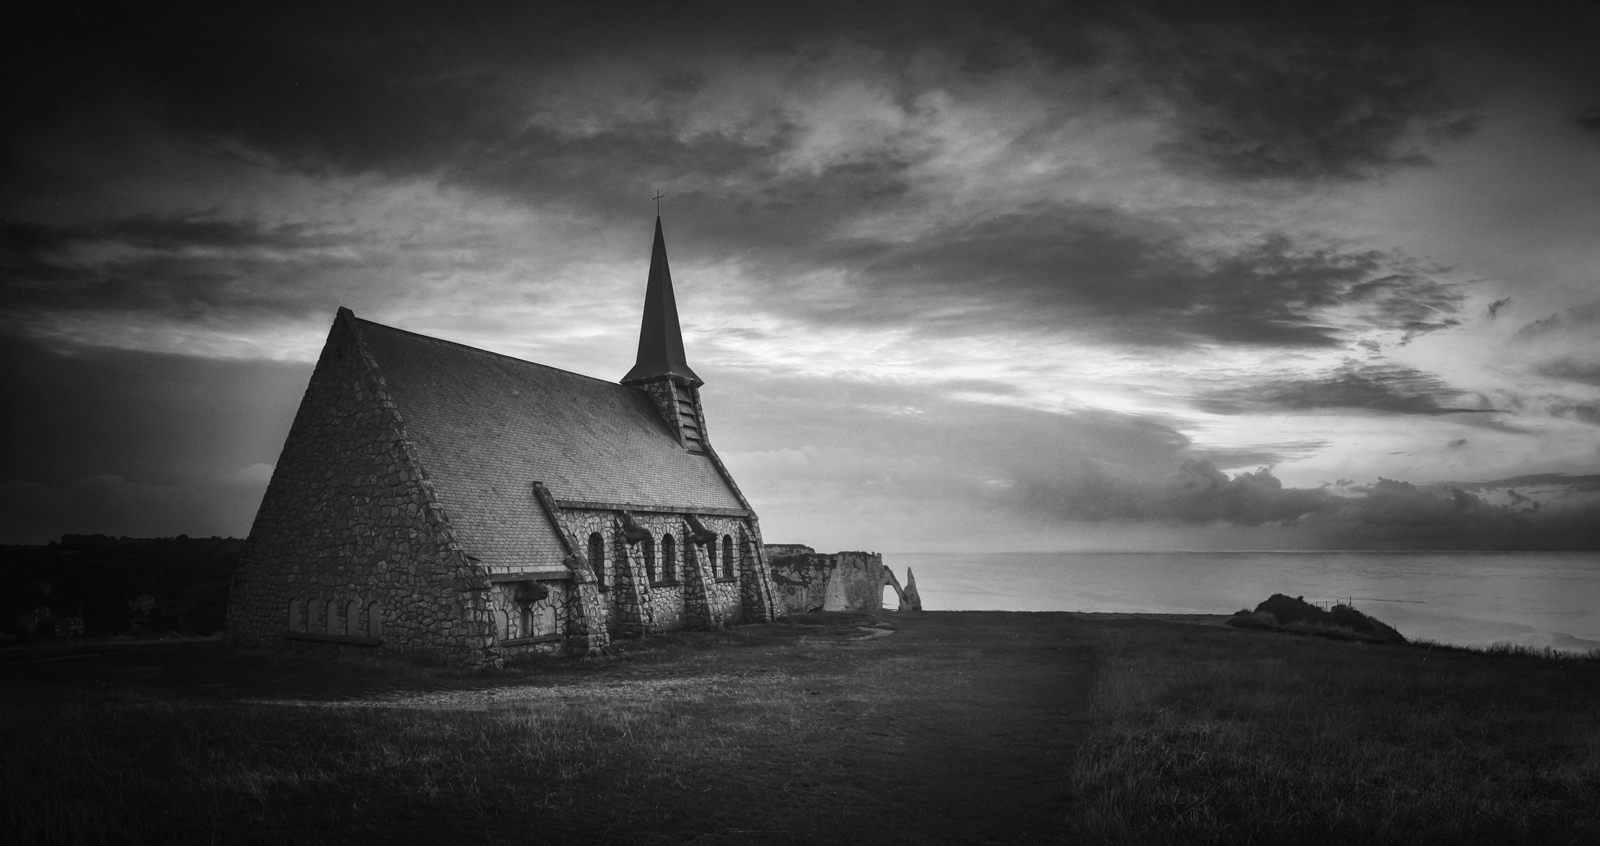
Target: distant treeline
{"type": "Point", "coordinates": [97, 584]}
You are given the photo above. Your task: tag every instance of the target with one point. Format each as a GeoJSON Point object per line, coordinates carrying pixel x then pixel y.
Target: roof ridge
{"type": "Point", "coordinates": [490, 352]}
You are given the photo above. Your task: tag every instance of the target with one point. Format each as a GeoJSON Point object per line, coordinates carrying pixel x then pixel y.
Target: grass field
{"type": "Point", "coordinates": [1263, 738]}
{"type": "Point", "coordinates": [934, 727]}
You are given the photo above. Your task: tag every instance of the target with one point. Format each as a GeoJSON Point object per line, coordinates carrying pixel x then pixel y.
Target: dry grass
{"type": "Point", "coordinates": [109, 768]}
{"type": "Point", "coordinates": [957, 728]}
{"type": "Point", "coordinates": [379, 750]}
{"type": "Point", "coordinates": [1209, 736]}
{"type": "Point", "coordinates": [779, 733]}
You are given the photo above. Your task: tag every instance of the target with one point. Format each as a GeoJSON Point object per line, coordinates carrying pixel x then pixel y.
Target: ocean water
{"type": "Point", "coordinates": [1542, 599]}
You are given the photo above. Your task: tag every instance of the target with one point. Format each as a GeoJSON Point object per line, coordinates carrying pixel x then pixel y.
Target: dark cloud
{"type": "Point", "coordinates": [1265, 455]}
{"type": "Point", "coordinates": [187, 267]}
{"type": "Point", "coordinates": [1195, 491]}
{"type": "Point", "coordinates": [1387, 514]}
{"type": "Point", "coordinates": [1386, 389]}
{"type": "Point", "coordinates": [1329, 93]}
{"type": "Point", "coordinates": [1588, 412]}
{"type": "Point", "coordinates": [1561, 480]}
{"type": "Point", "coordinates": [1539, 327]}
{"type": "Point", "coordinates": [479, 100]}
{"type": "Point", "coordinates": [406, 89]}
{"type": "Point", "coordinates": [1578, 317]}
{"type": "Point", "coordinates": [1494, 307]}
{"type": "Point", "coordinates": [903, 465]}
{"type": "Point", "coordinates": [1339, 90]}
{"type": "Point", "coordinates": [96, 438]}
{"type": "Point", "coordinates": [904, 447]}
{"type": "Point", "coordinates": [1572, 370]}
{"type": "Point", "coordinates": [1096, 272]}
{"type": "Point", "coordinates": [1303, 93]}
{"type": "Point", "coordinates": [729, 194]}
{"type": "Point", "coordinates": [1111, 276]}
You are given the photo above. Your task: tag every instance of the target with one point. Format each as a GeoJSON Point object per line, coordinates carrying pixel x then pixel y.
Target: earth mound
{"type": "Point", "coordinates": [1286, 613]}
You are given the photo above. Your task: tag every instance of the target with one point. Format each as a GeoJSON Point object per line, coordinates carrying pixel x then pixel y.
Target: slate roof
{"type": "Point", "coordinates": [487, 426]}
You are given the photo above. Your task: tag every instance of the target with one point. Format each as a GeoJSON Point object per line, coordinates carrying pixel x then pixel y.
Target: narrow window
{"type": "Point", "coordinates": [330, 620]}
{"type": "Point", "coordinates": [649, 545]}
{"type": "Point", "coordinates": [727, 556]}
{"type": "Point", "coordinates": [352, 617]}
{"type": "Point", "coordinates": [374, 620]}
{"type": "Point", "coordinates": [669, 552]}
{"type": "Point", "coordinates": [294, 615]}
{"type": "Point", "coordinates": [597, 557]}
{"type": "Point", "coordinates": [505, 624]}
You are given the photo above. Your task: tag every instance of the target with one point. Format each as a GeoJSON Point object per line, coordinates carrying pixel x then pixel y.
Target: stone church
{"type": "Point", "coordinates": [432, 497]}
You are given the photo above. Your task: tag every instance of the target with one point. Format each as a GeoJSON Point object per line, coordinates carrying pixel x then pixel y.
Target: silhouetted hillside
{"type": "Point", "coordinates": [1296, 614]}
{"type": "Point", "coordinates": [116, 585]}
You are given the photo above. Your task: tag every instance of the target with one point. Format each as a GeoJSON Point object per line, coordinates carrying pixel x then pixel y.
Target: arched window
{"type": "Point", "coordinates": [352, 617]}
{"type": "Point", "coordinates": [597, 557]}
{"type": "Point", "coordinates": [330, 620]}
{"type": "Point", "coordinates": [505, 623]}
{"type": "Point", "coordinates": [296, 612]}
{"type": "Point", "coordinates": [649, 545]}
{"type": "Point", "coordinates": [669, 558]}
{"type": "Point", "coordinates": [374, 620]}
{"type": "Point", "coordinates": [727, 556]}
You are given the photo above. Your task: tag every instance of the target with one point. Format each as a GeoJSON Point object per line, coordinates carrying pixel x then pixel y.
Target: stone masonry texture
{"type": "Point", "coordinates": [350, 516]}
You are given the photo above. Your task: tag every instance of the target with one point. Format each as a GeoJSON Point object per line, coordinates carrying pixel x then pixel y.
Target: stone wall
{"type": "Point", "coordinates": [350, 548]}
{"type": "Point", "coordinates": [638, 596]}
{"type": "Point", "coordinates": [843, 581]}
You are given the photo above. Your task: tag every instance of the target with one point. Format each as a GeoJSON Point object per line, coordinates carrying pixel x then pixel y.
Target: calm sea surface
{"type": "Point", "coordinates": [1474, 599]}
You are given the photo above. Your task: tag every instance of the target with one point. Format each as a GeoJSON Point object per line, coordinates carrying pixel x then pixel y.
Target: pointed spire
{"type": "Point", "coordinates": [660, 338]}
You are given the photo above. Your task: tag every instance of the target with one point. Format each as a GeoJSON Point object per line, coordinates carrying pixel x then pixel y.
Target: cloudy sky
{"type": "Point", "coordinates": [1083, 276]}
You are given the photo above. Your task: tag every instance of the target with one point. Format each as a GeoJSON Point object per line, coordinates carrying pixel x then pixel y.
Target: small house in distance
{"type": "Point", "coordinates": [433, 497]}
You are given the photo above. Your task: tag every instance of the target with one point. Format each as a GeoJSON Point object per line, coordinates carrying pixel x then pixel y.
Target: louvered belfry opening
{"type": "Point", "coordinates": [689, 420]}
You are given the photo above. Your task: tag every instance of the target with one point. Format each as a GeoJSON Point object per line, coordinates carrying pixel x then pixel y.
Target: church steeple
{"type": "Point", "coordinates": [660, 338]}
{"type": "Point", "coordinates": [661, 370]}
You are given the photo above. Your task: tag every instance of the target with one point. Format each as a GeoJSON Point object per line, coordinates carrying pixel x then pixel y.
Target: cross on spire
{"type": "Point", "coordinates": [657, 198]}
